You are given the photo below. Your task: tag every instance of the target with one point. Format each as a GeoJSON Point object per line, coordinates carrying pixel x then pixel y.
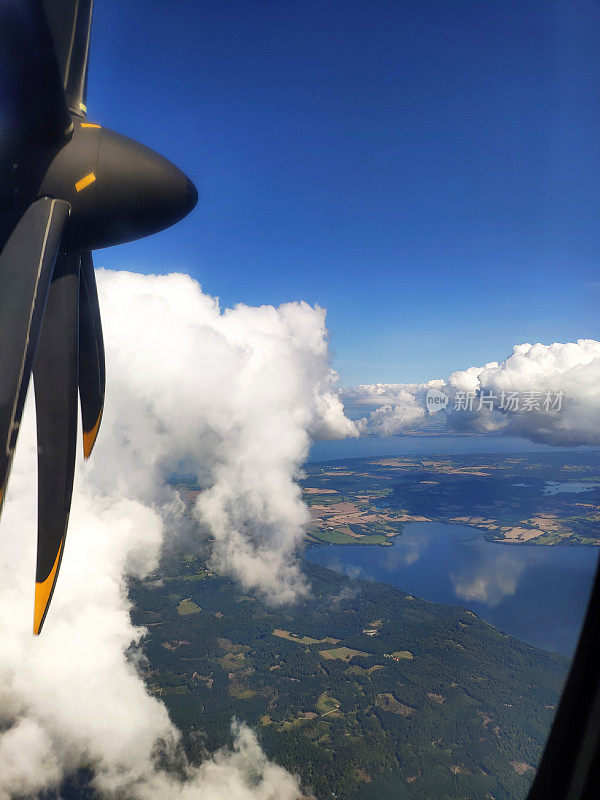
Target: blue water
{"type": "Point", "coordinates": [556, 487]}
{"type": "Point", "coordinates": [538, 594]}
{"type": "Point", "coordinates": [366, 446]}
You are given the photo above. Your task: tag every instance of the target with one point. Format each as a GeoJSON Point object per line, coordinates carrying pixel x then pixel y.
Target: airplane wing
{"type": "Point", "coordinates": [70, 23]}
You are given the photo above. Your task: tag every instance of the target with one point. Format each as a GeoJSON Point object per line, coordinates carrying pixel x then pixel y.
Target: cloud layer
{"type": "Point", "coordinates": [237, 394]}
{"type": "Point", "coordinates": [550, 394]}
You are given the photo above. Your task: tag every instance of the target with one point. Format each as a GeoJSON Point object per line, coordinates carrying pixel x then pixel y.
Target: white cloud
{"type": "Point", "coordinates": [570, 371]}
{"type": "Point", "coordinates": [239, 393]}
{"type": "Point", "coordinates": [387, 420]}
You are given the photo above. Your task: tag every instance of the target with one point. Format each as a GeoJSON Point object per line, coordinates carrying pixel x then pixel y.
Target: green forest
{"type": "Point", "coordinates": [360, 689]}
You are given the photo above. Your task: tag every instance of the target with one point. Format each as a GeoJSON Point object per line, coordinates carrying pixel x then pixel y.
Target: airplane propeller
{"type": "Point", "coordinates": [67, 187]}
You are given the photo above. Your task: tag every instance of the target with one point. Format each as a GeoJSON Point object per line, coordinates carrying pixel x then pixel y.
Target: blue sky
{"type": "Point", "coordinates": [427, 171]}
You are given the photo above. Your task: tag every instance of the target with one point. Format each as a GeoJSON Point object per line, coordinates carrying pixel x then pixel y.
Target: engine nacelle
{"type": "Point", "coordinates": [119, 190]}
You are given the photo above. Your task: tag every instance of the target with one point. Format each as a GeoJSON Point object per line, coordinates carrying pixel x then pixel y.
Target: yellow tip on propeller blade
{"type": "Point", "coordinates": [89, 438]}
{"type": "Point", "coordinates": [43, 594]}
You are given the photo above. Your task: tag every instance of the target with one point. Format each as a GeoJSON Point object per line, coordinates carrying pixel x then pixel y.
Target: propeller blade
{"type": "Point", "coordinates": [55, 380]}
{"type": "Point", "coordinates": [92, 375]}
{"type": "Point", "coordinates": [33, 111]}
{"type": "Point", "coordinates": [70, 22]}
{"type": "Point", "coordinates": [26, 264]}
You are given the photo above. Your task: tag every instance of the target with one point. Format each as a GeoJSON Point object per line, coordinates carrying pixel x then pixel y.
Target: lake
{"type": "Point", "coordinates": [556, 487]}
{"type": "Point", "coordinates": [538, 594]}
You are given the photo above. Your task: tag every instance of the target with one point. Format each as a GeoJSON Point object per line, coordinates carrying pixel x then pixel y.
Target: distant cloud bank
{"type": "Point", "coordinates": [546, 393]}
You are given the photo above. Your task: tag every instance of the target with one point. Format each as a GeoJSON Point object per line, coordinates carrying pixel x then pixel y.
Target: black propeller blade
{"type": "Point", "coordinates": [26, 265]}
{"type": "Point", "coordinates": [92, 375]}
{"type": "Point", "coordinates": [33, 111]}
{"type": "Point", "coordinates": [66, 185]}
{"type": "Point", "coordinates": [55, 372]}
{"type": "Point", "coordinates": [70, 24]}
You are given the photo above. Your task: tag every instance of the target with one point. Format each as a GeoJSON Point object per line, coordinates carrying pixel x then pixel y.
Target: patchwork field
{"type": "Point", "coordinates": [537, 499]}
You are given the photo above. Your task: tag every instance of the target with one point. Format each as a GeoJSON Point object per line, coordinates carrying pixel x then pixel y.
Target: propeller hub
{"type": "Point", "coordinates": [118, 189]}
{"type": "Point", "coordinates": [139, 191]}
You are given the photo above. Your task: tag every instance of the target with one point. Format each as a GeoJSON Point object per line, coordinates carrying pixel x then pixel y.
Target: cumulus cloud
{"type": "Point", "coordinates": [397, 407]}
{"type": "Point", "coordinates": [237, 393]}
{"type": "Point", "coordinates": [404, 413]}
{"type": "Point", "coordinates": [547, 393]}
